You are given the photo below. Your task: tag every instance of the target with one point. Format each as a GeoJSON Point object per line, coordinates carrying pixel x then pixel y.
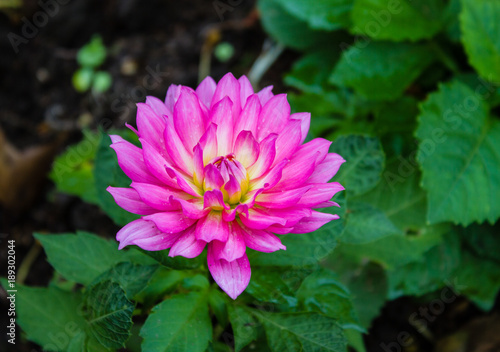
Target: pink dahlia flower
{"type": "Point", "coordinates": [225, 168]}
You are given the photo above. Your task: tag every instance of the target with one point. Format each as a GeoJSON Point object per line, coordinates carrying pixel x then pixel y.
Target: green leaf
{"type": "Point", "coordinates": [480, 24]}
{"type": "Point", "coordinates": [456, 176]}
{"type": "Point", "coordinates": [268, 285]}
{"type": "Point", "coordinates": [322, 292]}
{"type": "Point", "coordinates": [371, 71]}
{"type": "Point", "coordinates": [131, 277]}
{"type": "Point", "coordinates": [163, 282]}
{"type": "Point", "coordinates": [84, 256]}
{"type": "Point", "coordinates": [177, 262]}
{"type": "Point", "coordinates": [107, 172]}
{"type": "Point", "coordinates": [287, 29]}
{"type": "Point", "coordinates": [245, 327]}
{"type": "Point", "coordinates": [218, 304]}
{"type": "Point", "coordinates": [364, 162]}
{"type": "Point", "coordinates": [50, 316]}
{"type": "Point", "coordinates": [365, 223]}
{"type": "Point", "coordinates": [320, 14]}
{"type": "Point", "coordinates": [92, 54]}
{"type": "Point", "coordinates": [398, 20]}
{"type": "Point", "coordinates": [483, 240]}
{"type": "Point", "coordinates": [109, 313]}
{"type": "Point", "coordinates": [82, 79]}
{"type": "Point", "coordinates": [307, 332]}
{"type": "Point", "coordinates": [180, 323]}
{"type": "Point", "coordinates": [72, 171]}
{"type": "Point", "coordinates": [102, 81]}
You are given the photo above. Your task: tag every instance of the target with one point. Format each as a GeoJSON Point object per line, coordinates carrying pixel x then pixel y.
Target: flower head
{"type": "Point", "coordinates": [225, 168]}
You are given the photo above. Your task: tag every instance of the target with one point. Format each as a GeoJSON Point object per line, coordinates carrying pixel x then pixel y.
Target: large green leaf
{"type": "Point", "coordinates": [320, 14]}
{"type": "Point", "coordinates": [480, 23]}
{"type": "Point", "coordinates": [245, 327]}
{"type": "Point", "coordinates": [364, 162]}
{"type": "Point", "coordinates": [50, 316]}
{"type": "Point", "coordinates": [180, 323]}
{"type": "Point", "coordinates": [372, 72]}
{"type": "Point", "coordinates": [83, 257]}
{"type": "Point", "coordinates": [109, 313]}
{"type": "Point", "coordinates": [459, 153]}
{"type": "Point", "coordinates": [484, 240]}
{"type": "Point", "coordinates": [267, 285]}
{"type": "Point", "coordinates": [398, 20]}
{"type": "Point", "coordinates": [288, 29]}
{"type": "Point", "coordinates": [302, 332]}
{"type": "Point", "coordinates": [107, 172]}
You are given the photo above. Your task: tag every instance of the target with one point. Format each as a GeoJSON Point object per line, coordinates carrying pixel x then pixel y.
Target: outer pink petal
{"type": "Point", "coordinates": [245, 89]}
{"type": "Point", "coordinates": [171, 221]}
{"type": "Point", "coordinates": [270, 179]}
{"type": "Point", "coordinates": [259, 240]}
{"type": "Point", "coordinates": [266, 157]}
{"type": "Point", "coordinates": [233, 248]}
{"type": "Point", "coordinates": [221, 116]}
{"type": "Point", "coordinates": [288, 141]}
{"type": "Point", "coordinates": [313, 222]}
{"type": "Point", "coordinates": [151, 126]}
{"type": "Point", "coordinates": [273, 117]}
{"type": "Point", "coordinates": [173, 93]}
{"type": "Point", "coordinates": [187, 245]}
{"type": "Point", "coordinates": [131, 161]}
{"type": "Point", "coordinates": [192, 208]}
{"type": "Point", "coordinates": [249, 117]}
{"type": "Point", "coordinates": [205, 90]}
{"type": "Point", "coordinates": [291, 215]}
{"type": "Point", "coordinates": [208, 143]}
{"type": "Point", "coordinates": [296, 173]}
{"type": "Point", "coordinates": [258, 219]}
{"type": "Point", "coordinates": [327, 169]}
{"type": "Point", "coordinates": [305, 123]}
{"type": "Point", "coordinates": [246, 149]}
{"type": "Point", "coordinates": [158, 106]}
{"type": "Point", "coordinates": [129, 200]}
{"type": "Point", "coordinates": [232, 277]}
{"type": "Point", "coordinates": [319, 193]}
{"type": "Point", "coordinates": [188, 118]}
{"type": "Point", "coordinates": [178, 152]}
{"type": "Point", "coordinates": [229, 87]}
{"type": "Point", "coordinates": [155, 163]}
{"type": "Point", "coordinates": [320, 145]}
{"type": "Point", "coordinates": [279, 230]}
{"type": "Point", "coordinates": [265, 94]}
{"type": "Point", "coordinates": [146, 235]}
{"type": "Point", "coordinates": [282, 199]}
{"type": "Point", "coordinates": [212, 227]}
{"type": "Point", "coordinates": [158, 197]}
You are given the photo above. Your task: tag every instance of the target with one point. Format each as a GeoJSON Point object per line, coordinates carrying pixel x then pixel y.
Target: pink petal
{"type": "Point", "coordinates": [177, 151]}
{"type": "Point", "coordinates": [221, 116]}
{"type": "Point", "coordinates": [283, 199]}
{"type": "Point", "coordinates": [213, 178]}
{"type": "Point", "coordinates": [214, 199]}
{"type": "Point", "coordinates": [266, 157]}
{"type": "Point", "coordinates": [291, 215]}
{"type": "Point", "coordinates": [259, 240]}
{"type": "Point", "coordinates": [259, 219]}
{"type": "Point", "coordinates": [296, 173]}
{"type": "Point", "coordinates": [279, 230]}
{"type": "Point", "coordinates": [205, 90]}
{"type": "Point", "coordinates": [155, 163]}
{"type": "Point", "coordinates": [192, 208]}
{"type": "Point", "coordinates": [246, 149]}
{"type": "Point", "coordinates": [313, 222]}
{"type": "Point", "coordinates": [320, 145]}
{"type": "Point", "coordinates": [273, 117]}
{"type": "Point", "coordinates": [212, 227]}
{"type": "Point", "coordinates": [187, 245]}
{"type": "Point", "coordinates": [173, 93]}
{"type": "Point", "coordinates": [151, 126]}
{"type": "Point", "coordinates": [233, 248]}
{"type": "Point", "coordinates": [184, 182]}
{"type": "Point", "coordinates": [230, 214]}
{"type": "Point", "coordinates": [327, 169]}
{"type": "Point", "coordinates": [199, 173]}
{"type": "Point", "coordinates": [245, 89]}
{"type": "Point", "coordinates": [208, 143]}
{"type": "Point", "coordinates": [229, 87]}
{"type": "Point", "coordinates": [249, 117]}
{"type": "Point", "coordinates": [305, 123]}
{"type": "Point", "coordinates": [232, 277]}
{"type": "Point", "coordinates": [158, 106]}
{"type": "Point", "coordinates": [265, 94]}
{"type": "Point", "coordinates": [233, 189]}
{"type": "Point", "coordinates": [131, 161]}
{"type": "Point", "coordinates": [270, 179]}
{"type": "Point", "coordinates": [171, 221]}
{"type": "Point", "coordinates": [129, 200]}
{"type": "Point", "coordinates": [146, 235]}
{"type": "Point", "coordinates": [320, 193]}
{"type": "Point", "coordinates": [188, 118]}
{"type": "Point", "coordinates": [288, 141]}
{"type": "Point", "coordinates": [158, 197]}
